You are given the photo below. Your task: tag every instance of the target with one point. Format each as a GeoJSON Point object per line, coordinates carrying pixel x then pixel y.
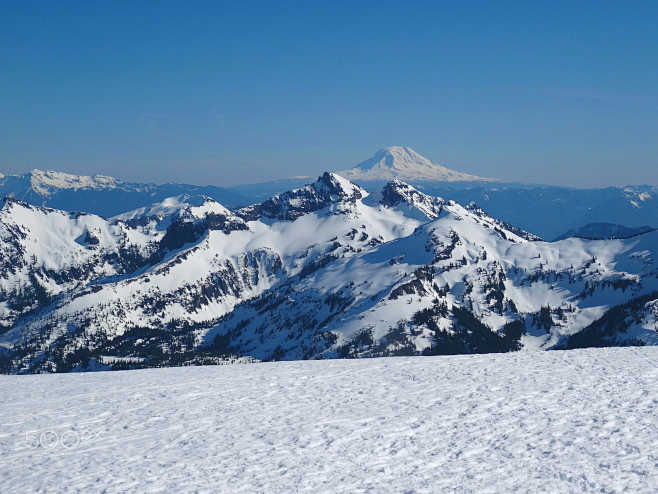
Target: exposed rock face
{"type": "Point", "coordinates": [329, 189]}
{"type": "Point", "coordinates": [396, 193]}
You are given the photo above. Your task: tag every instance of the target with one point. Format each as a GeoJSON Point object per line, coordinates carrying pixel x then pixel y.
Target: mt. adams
{"type": "Point", "coordinates": [406, 164]}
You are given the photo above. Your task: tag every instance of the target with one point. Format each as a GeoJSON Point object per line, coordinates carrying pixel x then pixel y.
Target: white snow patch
{"type": "Point", "coordinates": [576, 421]}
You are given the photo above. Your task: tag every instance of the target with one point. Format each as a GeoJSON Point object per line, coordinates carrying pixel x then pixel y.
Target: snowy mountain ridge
{"type": "Point", "coordinates": [549, 211]}
{"type": "Point", "coordinates": [44, 182]}
{"type": "Point", "coordinates": [100, 194]}
{"type": "Point", "coordinates": [326, 270]}
{"type": "Point", "coordinates": [328, 189]}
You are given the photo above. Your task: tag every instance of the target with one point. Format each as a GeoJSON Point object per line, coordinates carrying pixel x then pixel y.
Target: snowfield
{"type": "Point", "coordinates": [559, 421]}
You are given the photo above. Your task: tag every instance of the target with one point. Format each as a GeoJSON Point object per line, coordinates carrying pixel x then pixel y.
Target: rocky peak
{"type": "Point", "coordinates": [327, 190]}
{"type": "Point", "coordinates": [397, 192]}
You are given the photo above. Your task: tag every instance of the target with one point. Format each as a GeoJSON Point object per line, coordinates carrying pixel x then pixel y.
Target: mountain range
{"type": "Point", "coordinates": [327, 270]}
{"type": "Point", "coordinates": [100, 194]}
{"type": "Point", "coordinates": [548, 211]}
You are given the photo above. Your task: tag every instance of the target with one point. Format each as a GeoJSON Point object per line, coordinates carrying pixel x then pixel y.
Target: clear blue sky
{"type": "Point", "coordinates": [225, 93]}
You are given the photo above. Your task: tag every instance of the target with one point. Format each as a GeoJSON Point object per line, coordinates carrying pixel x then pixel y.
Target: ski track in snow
{"type": "Point", "coordinates": [568, 421]}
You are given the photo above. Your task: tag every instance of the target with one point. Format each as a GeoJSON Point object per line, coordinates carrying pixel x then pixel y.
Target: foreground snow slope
{"type": "Point", "coordinates": [562, 421]}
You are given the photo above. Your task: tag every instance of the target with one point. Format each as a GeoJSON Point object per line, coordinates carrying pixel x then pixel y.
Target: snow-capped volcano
{"type": "Point", "coordinates": [405, 163]}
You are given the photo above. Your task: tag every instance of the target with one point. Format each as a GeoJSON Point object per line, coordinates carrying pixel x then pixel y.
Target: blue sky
{"type": "Point", "coordinates": [225, 93]}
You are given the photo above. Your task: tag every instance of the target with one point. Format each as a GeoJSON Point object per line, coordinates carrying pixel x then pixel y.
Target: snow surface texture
{"type": "Point", "coordinates": [576, 421]}
{"type": "Point", "coordinates": [405, 163]}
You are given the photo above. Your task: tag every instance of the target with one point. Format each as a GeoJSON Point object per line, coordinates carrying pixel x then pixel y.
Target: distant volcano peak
{"type": "Point", "coordinates": [404, 163]}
